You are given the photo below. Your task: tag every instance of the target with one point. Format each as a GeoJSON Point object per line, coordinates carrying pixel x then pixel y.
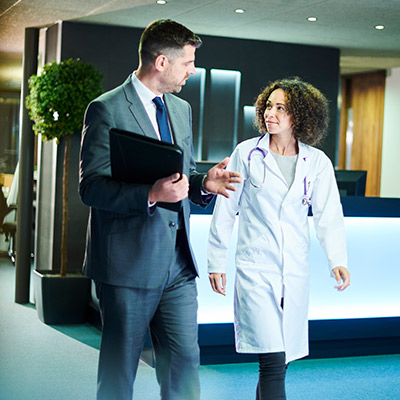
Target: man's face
{"type": "Point", "coordinates": [178, 71]}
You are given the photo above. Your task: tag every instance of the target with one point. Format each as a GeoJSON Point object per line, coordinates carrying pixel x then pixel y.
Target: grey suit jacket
{"type": "Point", "coordinates": [127, 245]}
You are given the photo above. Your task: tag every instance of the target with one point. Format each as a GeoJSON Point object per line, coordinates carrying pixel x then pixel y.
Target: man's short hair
{"type": "Point", "coordinates": [166, 37]}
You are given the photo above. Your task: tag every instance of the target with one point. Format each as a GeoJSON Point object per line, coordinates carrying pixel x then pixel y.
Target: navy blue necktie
{"type": "Point", "coordinates": [162, 120]}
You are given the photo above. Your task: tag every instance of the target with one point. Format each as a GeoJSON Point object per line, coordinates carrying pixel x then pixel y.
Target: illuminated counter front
{"type": "Point", "coordinates": [364, 319]}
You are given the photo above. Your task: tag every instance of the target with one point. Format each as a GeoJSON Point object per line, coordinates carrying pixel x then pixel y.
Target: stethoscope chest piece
{"type": "Point", "coordinates": [306, 199]}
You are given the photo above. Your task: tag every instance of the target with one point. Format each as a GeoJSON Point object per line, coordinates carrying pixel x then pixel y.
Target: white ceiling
{"type": "Point", "coordinates": [348, 25]}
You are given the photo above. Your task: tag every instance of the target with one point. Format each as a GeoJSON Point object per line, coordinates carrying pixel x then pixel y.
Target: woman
{"type": "Point", "coordinates": [282, 176]}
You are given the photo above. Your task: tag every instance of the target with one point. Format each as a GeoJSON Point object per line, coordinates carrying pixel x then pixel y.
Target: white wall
{"type": "Point", "coordinates": [390, 173]}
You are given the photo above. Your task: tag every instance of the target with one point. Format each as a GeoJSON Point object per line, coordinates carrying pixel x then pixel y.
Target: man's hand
{"type": "Point", "coordinates": [169, 190]}
{"type": "Point", "coordinates": [218, 283]}
{"type": "Point", "coordinates": [218, 180]}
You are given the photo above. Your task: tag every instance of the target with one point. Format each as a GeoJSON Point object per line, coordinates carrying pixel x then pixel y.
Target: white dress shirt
{"type": "Point", "coordinates": [146, 97]}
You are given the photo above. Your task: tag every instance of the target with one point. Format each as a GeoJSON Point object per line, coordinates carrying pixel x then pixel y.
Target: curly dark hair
{"type": "Point", "coordinates": [166, 37]}
{"type": "Point", "coordinates": [305, 103]}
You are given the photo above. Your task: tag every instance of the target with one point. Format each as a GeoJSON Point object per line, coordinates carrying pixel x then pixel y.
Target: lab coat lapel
{"type": "Point", "coordinates": [269, 160]}
{"type": "Point", "coordinates": [303, 166]}
{"type": "Point", "coordinates": [303, 162]}
{"type": "Point", "coordinates": [137, 110]}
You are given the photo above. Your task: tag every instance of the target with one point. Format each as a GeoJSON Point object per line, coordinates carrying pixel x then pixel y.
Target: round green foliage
{"type": "Point", "coordinates": [59, 96]}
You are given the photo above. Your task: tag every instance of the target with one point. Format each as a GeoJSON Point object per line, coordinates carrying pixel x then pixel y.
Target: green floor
{"type": "Point", "coordinates": [40, 362]}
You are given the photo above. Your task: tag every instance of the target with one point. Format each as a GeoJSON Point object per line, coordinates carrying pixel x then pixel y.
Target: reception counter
{"type": "Point", "coordinates": [364, 319]}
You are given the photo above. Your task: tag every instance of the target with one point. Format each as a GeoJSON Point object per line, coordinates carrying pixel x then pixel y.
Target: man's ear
{"type": "Point", "coordinates": [161, 62]}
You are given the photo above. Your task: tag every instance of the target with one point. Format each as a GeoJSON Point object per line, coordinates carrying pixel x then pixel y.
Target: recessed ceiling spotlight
{"type": "Point", "coordinates": [379, 27]}
{"type": "Point", "coordinates": [240, 11]}
{"type": "Point", "coordinates": [312, 19]}
{"type": "Point", "coordinates": [161, 2]}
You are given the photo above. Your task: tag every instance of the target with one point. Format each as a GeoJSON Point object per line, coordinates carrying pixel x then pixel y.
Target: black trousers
{"type": "Point", "coordinates": [272, 373]}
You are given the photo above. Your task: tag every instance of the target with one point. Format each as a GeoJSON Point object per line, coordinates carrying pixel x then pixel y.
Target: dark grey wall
{"type": "Point", "coordinates": [261, 62]}
{"type": "Point", "coordinates": [113, 50]}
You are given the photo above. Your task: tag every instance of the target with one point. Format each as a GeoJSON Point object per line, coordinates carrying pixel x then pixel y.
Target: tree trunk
{"type": "Point", "coordinates": [65, 217]}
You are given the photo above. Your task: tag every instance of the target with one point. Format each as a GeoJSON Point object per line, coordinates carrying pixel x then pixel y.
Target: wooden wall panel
{"type": "Point", "coordinates": [365, 95]}
{"type": "Point", "coordinates": [342, 125]}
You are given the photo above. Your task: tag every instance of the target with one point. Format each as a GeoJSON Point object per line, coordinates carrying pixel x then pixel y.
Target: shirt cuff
{"type": "Point", "coordinates": [204, 192]}
{"type": "Point", "coordinates": [151, 208]}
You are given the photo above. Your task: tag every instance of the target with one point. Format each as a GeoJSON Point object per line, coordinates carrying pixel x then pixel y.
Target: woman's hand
{"type": "Point", "coordinates": [218, 283]}
{"type": "Point", "coordinates": [341, 274]}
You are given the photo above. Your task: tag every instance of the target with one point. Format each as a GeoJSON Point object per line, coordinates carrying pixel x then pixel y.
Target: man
{"type": "Point", "coordinates": [137, 253]}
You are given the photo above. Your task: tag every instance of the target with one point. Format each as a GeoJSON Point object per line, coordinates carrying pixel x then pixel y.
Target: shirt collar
{"type": "Point", "coordinates": [145, 94]}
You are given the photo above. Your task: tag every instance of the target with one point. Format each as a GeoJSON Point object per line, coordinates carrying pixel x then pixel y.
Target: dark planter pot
{"type": "Point", "coordinates": [61, 299]}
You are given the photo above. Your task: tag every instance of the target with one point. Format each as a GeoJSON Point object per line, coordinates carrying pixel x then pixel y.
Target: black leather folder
{"type": "Point", "coordinates": [140, 159]}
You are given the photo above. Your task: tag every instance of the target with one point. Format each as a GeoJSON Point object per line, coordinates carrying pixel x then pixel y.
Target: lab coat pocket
{"type": "Point", "coordinates": [262, 251]}
{"type": "Point", "coordinates": [300, 193]}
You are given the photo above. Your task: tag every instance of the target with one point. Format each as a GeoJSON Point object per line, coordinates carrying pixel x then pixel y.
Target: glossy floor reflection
{"type": "Point", "coordinates": [41, 362]}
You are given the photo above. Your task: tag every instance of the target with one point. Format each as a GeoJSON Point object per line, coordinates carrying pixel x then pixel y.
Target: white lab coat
{"type": "Point", "coordinates": [273, 245]}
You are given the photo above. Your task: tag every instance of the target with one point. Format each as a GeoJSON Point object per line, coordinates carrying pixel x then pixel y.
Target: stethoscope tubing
{"type": "Point", "coordinates": [264, 154]}
{"type": "Point", "coordinates": [306, 201]}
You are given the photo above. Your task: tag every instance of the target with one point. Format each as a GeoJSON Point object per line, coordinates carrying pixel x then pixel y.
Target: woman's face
{"type": "Point", "coordinates": [277, 120]}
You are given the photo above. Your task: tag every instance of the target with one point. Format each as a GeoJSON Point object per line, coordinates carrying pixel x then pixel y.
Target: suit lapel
{"type": "Point", "coordinates": [176, 118]}
{"type": "Point", "coordinates": [137, 109]}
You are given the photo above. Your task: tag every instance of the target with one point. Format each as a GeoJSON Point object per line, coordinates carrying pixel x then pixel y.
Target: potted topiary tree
{"type": "Point", "coordinates": [56, 102]}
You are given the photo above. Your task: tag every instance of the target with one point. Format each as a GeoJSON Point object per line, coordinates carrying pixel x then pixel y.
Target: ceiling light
{"type": "Point", "coordinates": [161, 2]}
{"type": "Point", "coordinates": [379, 27]}
{"type": "Point", "coordinates": [312, 19]}
{"type": "Point", "coordinates": [240, 11]}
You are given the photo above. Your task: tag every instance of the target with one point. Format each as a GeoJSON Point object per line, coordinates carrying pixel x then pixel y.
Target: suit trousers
{"type": "Point", "coordinates": [171, 314]}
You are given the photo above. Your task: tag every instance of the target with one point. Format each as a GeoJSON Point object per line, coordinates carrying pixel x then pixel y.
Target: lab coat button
{"type": "Point", "coordinates": [172, 224]}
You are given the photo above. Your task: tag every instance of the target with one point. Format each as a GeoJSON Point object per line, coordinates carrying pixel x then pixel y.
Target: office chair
{"type": "Point", "coordinates": [9, 228]}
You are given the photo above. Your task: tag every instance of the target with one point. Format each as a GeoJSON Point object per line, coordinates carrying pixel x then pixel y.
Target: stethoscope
{"type": "Point", "coordinates": [264, 154]}
{"type": "Point", "coordinates": [306, 201]}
